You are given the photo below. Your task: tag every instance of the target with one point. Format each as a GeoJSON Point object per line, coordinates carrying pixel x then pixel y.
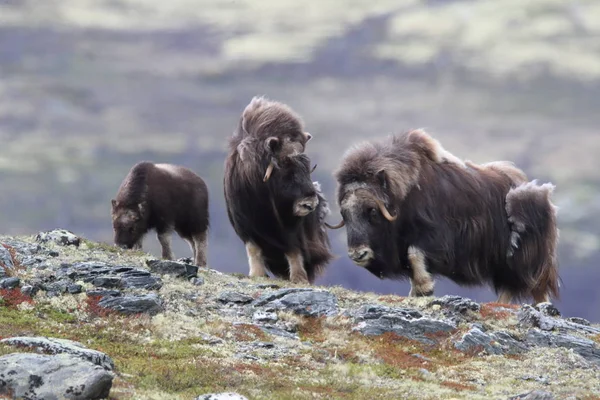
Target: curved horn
{"type": "Point", "coordinates": [313, 169]}
{"type": "Point", "coordinates": [384, 211]}
{"type": "Point", "coordinates": [338, 226]}
{"type": "Point", "coordinates": [269, 172]}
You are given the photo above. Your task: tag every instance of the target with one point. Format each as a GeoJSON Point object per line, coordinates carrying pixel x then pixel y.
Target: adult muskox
{"type": "Point", "coordinates": [165, 198]}
{"type": "Point", "coordinates": [272, 203]}
{"type": "Point", "coordinates": [412, 209]}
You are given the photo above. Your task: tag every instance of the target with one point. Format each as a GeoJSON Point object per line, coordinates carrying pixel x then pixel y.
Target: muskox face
{"type": "Point", "coordinates": [292, 182]}
{"type": "Point", "coordinates": [128, 225]}
{"type": "Point", "coordinates": [369, 226]}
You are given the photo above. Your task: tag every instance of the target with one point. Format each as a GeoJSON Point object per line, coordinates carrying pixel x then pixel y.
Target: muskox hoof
{"type": "Point", "coordinates": [414, 293]}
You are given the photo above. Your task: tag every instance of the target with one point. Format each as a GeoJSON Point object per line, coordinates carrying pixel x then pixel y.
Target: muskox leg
{"type": "Point", "coordinates": [297, 271]}
{"type": "Point", "coordinates": [505, 297]}
{"type": "Point", "coordinates": [165, 242]}
{"type": "Point", "coordinates": [540, 297]}
{"type": "Point", "coordinates": [421, 282]}
{"type": "Point", "coordinates": [200, 246]}
{"type": "Point", "coordinates": [255, 260]}
{"type": "Point", "coordinates": [192, 247]}
{"type": "Point", "coordinates": [138, 245]}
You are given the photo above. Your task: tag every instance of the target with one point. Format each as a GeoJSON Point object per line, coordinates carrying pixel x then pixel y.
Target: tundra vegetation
{"type": "Point", "coordinates": [201, 331]}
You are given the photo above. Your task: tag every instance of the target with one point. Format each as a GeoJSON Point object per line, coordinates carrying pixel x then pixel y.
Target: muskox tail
{"type": "Point", "coordinates": [534, 238]}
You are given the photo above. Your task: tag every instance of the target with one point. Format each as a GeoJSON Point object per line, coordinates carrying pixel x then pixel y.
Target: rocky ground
{"type": "Point", "coordinates": [85, 320]}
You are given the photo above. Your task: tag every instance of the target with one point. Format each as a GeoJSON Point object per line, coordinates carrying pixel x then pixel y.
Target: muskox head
{"type": "Point", "coordinates": [129, 225]}
{"type": "Point", "coordinates": [369, 221]}
{"type": "Point", "coordinates": [290, 179]}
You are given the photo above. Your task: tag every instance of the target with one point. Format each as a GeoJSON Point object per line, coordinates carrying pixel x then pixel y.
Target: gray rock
{"type": "Point", "coordinates": [309, 302]}
{"type": "Point", "coordinates": [133, 304]}
{"type": "Point", "coordinates": [61, 237]}
{"type": "Point", "coordinates": [56, 346]}
{"type": "Point", "coordinates": [140, 279]}
{"type": "Point", "coordinates": [234, 297]}
{"type": "Point", "coordinates": [197, 281]}
{"type": "Point", "coordinates": [108, 276]}
{"type": "Point", "coordinates": [548, 309]}
{"type": "Point", "coordinates": [409, 323]}
{"type": "Point", "coordinates": [491, 343]}
{"type": "Point", "coordinates": [264, 316]}
{"type": "Point", "coordinates": [29, 290]}
{"type": "Point", "coordinates": [103, 293]}
{"type": "Point", "coordinates": [178, 269]}
{"type": "Point", "coordinates": [26, 249]}
{"type": "Point", "coordinates": [6, 262]}
{"type": "Point", "coordinates": [457, 304]}
{"type": "Point", "coordinates": [580, 321]}
{"type": "Point", "coordinates": [53, 377]}
{"type": "Point", "coordinates": [221, 396]}
{"type": "Point", "coordinates": [107, 282]}
{"type": "Point", "coordinates": [58, 287]}
{"type": "Point", "coordinates": [274, 330]}
{"type": "Point", "coordinates": [533, 317]}
{"type": "Point", "coordinates": [533, 395]}
{"type": "Point", "coordinates": [584, 347]}
{"type": "Point", "coordinates": [9, 283]}
{"type": "Point", "coordinates": [74, 288]}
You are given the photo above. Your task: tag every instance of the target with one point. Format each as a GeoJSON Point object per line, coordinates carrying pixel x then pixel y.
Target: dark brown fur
{"type": "Point", "coordinates": [263, 214]}
{"type": "Point", "coordinates": [165, 198]}
{"type": "Point", "coordinates": [474, 224]}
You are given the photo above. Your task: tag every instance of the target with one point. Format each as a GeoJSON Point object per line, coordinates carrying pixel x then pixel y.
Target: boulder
{"type": "Point", "coordinates": [61, 237]}
{"type": "Point", "coordinates": [308, 302]}
{"type": "Point", "coordinates": [53, 377]}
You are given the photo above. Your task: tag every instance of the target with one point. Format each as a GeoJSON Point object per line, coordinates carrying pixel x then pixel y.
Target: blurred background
{"type": "Point", "coordinates": [90, 87]}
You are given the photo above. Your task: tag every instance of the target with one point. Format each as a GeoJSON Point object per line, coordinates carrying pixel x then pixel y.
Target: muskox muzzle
{"type": "Point", "coordinates": [305, 206]}
{"type": "Point", "coordinates": [361, 255]}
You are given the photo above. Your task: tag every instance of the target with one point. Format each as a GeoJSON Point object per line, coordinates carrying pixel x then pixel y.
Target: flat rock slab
{"type": "Point", "coordinates": [57, 346]}
{"type": "Point", "coordinates": [533, 395]}
{"type": "Point", "coordinates": [492, 343]}
{"type": "Point", "coordinates": [133, 304]}
{"type": "Point", "coordinates": [234, 297]}
{"type": "Point", "coordinates": [52, 377]}
{"type": "Point", "coordinates": [547, 318]}
{"type": "Point", "coordinates": [221, 396]}
{"type": "Point", "coordinates": [9, 283]}
{"type": "Point", "coordinates": [457, 304]}
{"type": "Point", "coordinates": [175, 268]}
{"type": "Point", "coordinates": [309, 302]}
{"type": "Point", "coordinates": [61, 237]}
{"type": "Point", "coordinates": [109, 276]}
{"type": "Point", "coordinates": [406, 322]}
{"type": "Point", "coordinates": [6, 262]}
{"type": "Point", "coordinates": [584, 347]}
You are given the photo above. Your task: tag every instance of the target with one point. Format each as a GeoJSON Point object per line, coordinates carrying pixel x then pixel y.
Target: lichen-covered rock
{"type": "Point", "coordinates": [9, 283]}
{"type": "Point", "coordinates": [6, 262]}
{"type": "Point", "coordinates": [133, 304]}
{"type": "Point", "coordinates": [582, 346]}
{"type": "Point", "coordinates": [309, 302]}
{"type": "Point", "coordinates": [221, 396]}
{"type": "Point", "coordinates": [457, 304]}
{"type": "Point", "coordinates": [547, 319]}
{"type": "Point", "coordinates": [533, 395]}
{"type": "Point", "coordinates": [56, 346]}
{"type": "Point", "coordinates": [108, 276]}
{"type": "Point", "coordinates": [409, 323]}
{"type": "Point", "coordinates": [175, 268]}
{"type": "Point", "coordinates": [49, 377]}
{"type": "Point", "coordinates": [61, 237]}
{"type": "Point", "coordinates": [234, 297]}
{"type": "Point", "coordinates": [492, 343]}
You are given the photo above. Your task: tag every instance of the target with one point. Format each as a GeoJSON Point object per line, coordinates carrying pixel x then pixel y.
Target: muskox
{"type": "Point", "coordinates": [165, 198]}
{"type": "Point", "coordinates": [412, 209]}
{"type": "Point", "coordinates": [272, 203]}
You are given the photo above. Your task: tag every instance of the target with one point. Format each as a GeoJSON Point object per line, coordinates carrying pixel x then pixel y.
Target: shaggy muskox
{"type": "Point", "coordinates": [165, 198]}
{"type": "Point", "coordinates": [412, 209]}
{"type": "Point", "coordinates": [272, 203]}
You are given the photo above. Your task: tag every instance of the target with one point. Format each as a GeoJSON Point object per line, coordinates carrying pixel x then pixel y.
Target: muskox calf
{"type": "Point", "coordinates": [272, 203]}
{"type": "Point", "coordinates": [165, 198]}
{"type": "Point", "coordinates": [412, 209]}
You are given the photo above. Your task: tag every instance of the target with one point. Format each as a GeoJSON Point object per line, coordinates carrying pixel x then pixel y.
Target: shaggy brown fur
{"type": "Point", "coordinates": [272, 203]}
{"type": "Point", "coordinates": [411, 209]}
{"type": "Point", "coordinates": [165, 198]}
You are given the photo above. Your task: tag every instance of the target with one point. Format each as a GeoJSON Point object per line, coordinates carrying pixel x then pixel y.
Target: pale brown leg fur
{"type": "Point", "coordinates": [200, 245]}
{"type": "Point", "coordinates": [297, 271]}
{"type": "Point", "coordinates": [165, 243]}
{"type": "Point", "coordinates": [505, 297]}
{"type": "Point", "coordinates": [255, 260]}
{"type": "Point", "coordinates": [421, 282]}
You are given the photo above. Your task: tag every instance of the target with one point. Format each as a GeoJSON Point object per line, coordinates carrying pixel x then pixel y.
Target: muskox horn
{"type": "Point", "coordinates": [313, 169]}
{"type": "Point", "coordinates": [384, 211]}
{"type": "Point", "coordinates": [269, 172]}
{"type": "Point", "coordinates": [338, 226]}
